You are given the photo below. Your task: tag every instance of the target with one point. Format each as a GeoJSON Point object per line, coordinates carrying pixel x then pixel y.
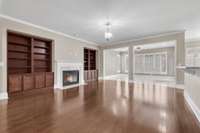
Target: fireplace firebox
{"type": "Point", "coordinates": [70, 77]}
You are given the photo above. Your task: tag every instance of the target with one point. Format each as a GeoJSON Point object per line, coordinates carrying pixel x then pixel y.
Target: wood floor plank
{"type": "Point", "coordinates": [99, 107]}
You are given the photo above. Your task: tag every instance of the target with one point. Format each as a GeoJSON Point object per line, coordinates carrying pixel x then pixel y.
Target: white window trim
{"type": "Point", "coordinates": [126, 63]}
{"type": "Point", "coordinates": [119, 67]}
{"type": "Point", "coordinates": [154, 54]}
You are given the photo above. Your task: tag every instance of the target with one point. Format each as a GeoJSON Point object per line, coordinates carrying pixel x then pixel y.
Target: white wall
{"type": "Point", "coordinates": [64, 49]}
{"type": "Point", "coordinates": [112, 62]}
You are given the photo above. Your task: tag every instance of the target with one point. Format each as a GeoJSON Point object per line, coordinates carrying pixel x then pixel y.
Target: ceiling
{"type": "Point", "coordinates": [131, 19]}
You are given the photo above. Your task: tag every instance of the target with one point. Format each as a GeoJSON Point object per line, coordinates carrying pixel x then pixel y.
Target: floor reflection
{"type": "Point", "coordinates": [104, 106]}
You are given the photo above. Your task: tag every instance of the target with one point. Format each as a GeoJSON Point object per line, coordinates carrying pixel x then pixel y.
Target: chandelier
{"type": "Point", "coordinates": [108, 35]}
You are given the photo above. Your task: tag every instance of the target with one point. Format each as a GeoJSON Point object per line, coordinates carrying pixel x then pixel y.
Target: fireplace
{"type": "Point", "coordinates": [62, 66]}
{"type": "Point", "coordinates": [70, 77]}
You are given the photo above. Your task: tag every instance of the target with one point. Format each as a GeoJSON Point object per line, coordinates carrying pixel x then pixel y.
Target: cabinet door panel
{"type": "Point", "coordinates": [39, 80]}
{"type": "Point", "coordinates": [86, 76]}
{"type": "Point", "coordinates": [92, 74]}
{"type": "Point", "coordinates": [89, 75]}
{"type": "Point", "coordinates": [50, 79]}
{"type": "Point", "coordinates": [96, 75]}
{"type": "Point", "coordinates": [15, 83]}
{"type": "Point", "coordinates": [28, 81]}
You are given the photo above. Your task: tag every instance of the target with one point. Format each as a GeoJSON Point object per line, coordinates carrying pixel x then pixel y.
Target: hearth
{"type": "Point", "coordinates": [70, 77]}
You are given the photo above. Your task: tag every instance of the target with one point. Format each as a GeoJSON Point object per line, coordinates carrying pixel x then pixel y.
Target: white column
{"type": "Point", "coordinates": [130, 54]}
{"type": "Point", "coordinates": [121, 63]}
{"type": "Point", "coordinates": [101, 63]}
{"type": "Point", "coordinates": [3, 70]}
{"type": "Point", "coordinates": [180, 58]}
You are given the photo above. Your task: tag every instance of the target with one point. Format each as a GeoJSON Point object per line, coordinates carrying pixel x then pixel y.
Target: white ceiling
{"type": "Point", "coordinates": [130, 18]}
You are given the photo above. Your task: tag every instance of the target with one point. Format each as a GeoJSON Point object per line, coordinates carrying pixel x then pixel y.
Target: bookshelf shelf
{"type": "Point", "coordinates": [90, 71]}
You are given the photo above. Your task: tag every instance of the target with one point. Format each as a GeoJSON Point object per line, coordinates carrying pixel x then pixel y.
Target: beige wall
{"type": "Point", "coordinates": [65, 49]}
{"type": "Point", "coordinates": [101, 60]}
{"type": "Point", "coordinates": [0, 45]}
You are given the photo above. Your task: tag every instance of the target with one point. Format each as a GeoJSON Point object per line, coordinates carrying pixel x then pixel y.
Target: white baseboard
{"type": "Point", "coordinates": [110, 76]}
{"type": "Point", "coordinates": [3, 95]}
{"type": "Point", "coordinates": [56, 86]}
{"type": "Point", "coordinates": [100, 78]}
{"type": "Point", "coordinates": [131, 81]}
{"type": "Point", "coordinates": [192, 105]}
{"type": "Point", "coordinates": [177, 86]}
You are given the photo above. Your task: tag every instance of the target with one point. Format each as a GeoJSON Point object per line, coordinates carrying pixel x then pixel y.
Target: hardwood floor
{"type": "Point", "coordinates": [99, 107]}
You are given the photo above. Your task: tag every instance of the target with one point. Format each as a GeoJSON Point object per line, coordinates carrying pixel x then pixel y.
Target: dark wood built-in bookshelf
{"type": "Point", "coordinates": [90, 71]}
{"type": "Point", "coordinates": [89, 59]}
{"type": "Point", "coordinates": [29, 57]}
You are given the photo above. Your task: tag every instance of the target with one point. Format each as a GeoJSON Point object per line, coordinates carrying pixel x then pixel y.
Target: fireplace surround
{"type": "Point", "coordinates": [65, 66]}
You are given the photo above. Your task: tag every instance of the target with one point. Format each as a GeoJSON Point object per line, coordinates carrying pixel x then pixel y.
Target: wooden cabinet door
{"type": "Point", "coordinates": [49, 79]}
{"type": "Point", "coordinates": [91, 75]}
{"type": "Point", "coordinates": [15, 83]}
{"type": "Point", "coordinates": [28, 81]}
{"type": "Point", "coordinates": [96, 75]}
{"type": "Point", "coordinates": [39, 80]}
{"type": "Point", "coordinates": [86, 76]}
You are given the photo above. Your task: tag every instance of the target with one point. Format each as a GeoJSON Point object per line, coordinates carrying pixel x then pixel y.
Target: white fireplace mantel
{"type": "Point", "coordinates": [64, 66]}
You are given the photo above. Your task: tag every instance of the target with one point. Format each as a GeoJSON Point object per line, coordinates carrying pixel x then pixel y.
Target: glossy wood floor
{"type": "Point", "coordinates": [99, 107]}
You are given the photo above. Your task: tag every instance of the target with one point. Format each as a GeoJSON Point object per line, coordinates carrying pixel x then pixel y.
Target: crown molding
{"type": "Point", "coordinates": [144, 38]}
{"type": "Point", "coordinates": [46, 29]}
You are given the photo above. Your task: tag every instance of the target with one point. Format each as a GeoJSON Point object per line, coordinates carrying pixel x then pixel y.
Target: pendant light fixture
{"type": "Point", "coordinates": [108, 35]}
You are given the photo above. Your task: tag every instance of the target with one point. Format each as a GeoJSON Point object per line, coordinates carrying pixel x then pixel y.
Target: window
{"type": "Point", "coordinates": [118, 63]}
{"type": "Point", "coordinates": [153, 63]}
